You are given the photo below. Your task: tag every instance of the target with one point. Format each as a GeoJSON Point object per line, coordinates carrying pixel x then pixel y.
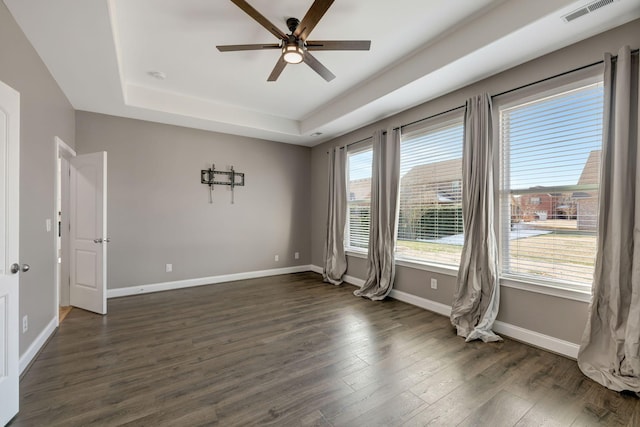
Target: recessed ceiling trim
{"type": "Point", "coordinates": [152, 99]}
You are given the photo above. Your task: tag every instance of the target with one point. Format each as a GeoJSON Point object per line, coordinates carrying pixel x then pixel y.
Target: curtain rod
{"type": "Point", "coordinates": [353, 143]}
{"type": "Point", "coordinates": [615, 57]}
{"type": "Point", "coordinates": [430, 117]}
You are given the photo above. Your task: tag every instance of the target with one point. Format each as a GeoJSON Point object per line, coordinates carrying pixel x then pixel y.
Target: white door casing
{"type": "Point", "coordinates": [88, 236]}
{"type": "Point", "coordinates": [9, 232]}
{"type": "Point", "coordinates": [63, 177]}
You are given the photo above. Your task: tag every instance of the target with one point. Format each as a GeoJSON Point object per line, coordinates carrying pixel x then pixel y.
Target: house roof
{"type": "Point", "coordinates": [444, 171]}
{"type": "Point", "coordinates": [591, 171]}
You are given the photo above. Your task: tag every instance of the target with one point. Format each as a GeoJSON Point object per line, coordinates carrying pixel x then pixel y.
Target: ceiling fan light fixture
{"type": "Point", "coordinates": [292, 53]}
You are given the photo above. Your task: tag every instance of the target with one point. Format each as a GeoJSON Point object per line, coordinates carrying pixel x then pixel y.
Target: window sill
{"type": "Point", "coordinates": [559, 290]}
{"type": "Point", "coordinates": [356, 253]}
{"type": "Point", "coordinates": [426, 266]}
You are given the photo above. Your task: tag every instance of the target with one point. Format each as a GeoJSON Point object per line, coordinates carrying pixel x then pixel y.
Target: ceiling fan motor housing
{"type": "Point", "coordinates": [292, 24]}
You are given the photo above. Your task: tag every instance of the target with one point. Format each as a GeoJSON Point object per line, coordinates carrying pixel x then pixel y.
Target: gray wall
{"type": "Point", "coordinates": [45, 113]}
{"type": "Point", "coordinates": [159, 212]}
{"type": "Point", "coordinates": [557, 317]}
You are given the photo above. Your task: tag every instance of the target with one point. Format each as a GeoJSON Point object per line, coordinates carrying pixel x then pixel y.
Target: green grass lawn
{"type": "Point", "coordinates": [557, 255]}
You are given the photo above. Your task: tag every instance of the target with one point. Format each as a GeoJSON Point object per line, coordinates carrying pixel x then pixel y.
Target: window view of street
{"type": "Point", "coordinates": [550, 177]}
{"type": "Point", "coordinates": [548, 202]}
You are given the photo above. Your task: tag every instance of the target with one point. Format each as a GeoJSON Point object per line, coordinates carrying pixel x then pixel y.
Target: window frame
{"type": "Point", "coordinates": [356, 148]}
{"type": "Point", "coordinates": [423, 127]}
{"type": "Point", "coordinates": [563, 83]}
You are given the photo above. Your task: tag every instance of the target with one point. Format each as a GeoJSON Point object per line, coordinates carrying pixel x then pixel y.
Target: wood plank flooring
{"type": "Point", "coordinates": [291, 350]}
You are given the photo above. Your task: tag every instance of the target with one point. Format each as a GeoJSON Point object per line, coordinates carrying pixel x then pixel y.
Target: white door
{"type": "Point", "coordinates": [88, 236]}
{"type": "Point", "coordinates": [9, 276]}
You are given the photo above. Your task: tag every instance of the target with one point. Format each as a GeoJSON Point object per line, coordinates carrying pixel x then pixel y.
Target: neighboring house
{"type": "Point", "coordinates": [541, 206]}
{"type": "Point", "coordinates": [430, 201]}
{"type": "Point", "coordinates": [580, 205]}
{"type": "Point", "coordinates": [587, 201]}
{"type": "Point", "coordinates": [438, 182]}
{"type": "Point", "coordinates": [359, 189]}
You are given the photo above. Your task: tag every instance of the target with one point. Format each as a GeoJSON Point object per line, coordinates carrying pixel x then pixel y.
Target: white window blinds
{"type": "Point", "coordinates": [359, 168]}
{"type": "Point", "coordinates": [430, 218]}
{"type": "Point", "coordinates": [551, 149]}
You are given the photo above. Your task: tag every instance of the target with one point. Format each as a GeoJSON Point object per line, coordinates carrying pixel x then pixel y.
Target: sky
{"type": "Point", "coordinates": [545, 148]}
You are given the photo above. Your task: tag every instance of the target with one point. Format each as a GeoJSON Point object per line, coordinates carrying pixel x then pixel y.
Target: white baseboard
{"type": "Point", "coordinates": [316, 269]}
{"type": "Point", "coordinates": [427, 304]}
{"type": "Point", "coordinates": [179, 284]}
{"type": "Point", "coordinates": [37, 344]}
{"type": "Point", "coordinates": [346, 278]}
{"type": "Point", "coordinates": [353, 281]}
{"type": "Point", "coordinates": [536, 339]}
{"type": "Point", "coordinates": [527, 336]}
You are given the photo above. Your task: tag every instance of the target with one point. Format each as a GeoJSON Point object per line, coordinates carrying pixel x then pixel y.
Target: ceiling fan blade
{"type": "Point", "coordinates": [249, 10]}
{"type": "Point", "coordinates": [316, 66]}
{"type": "Point", "coordinates": [236, 47]}
{"type": "Point", "coordinates": [339, 45]}
{"type": "Point", "coordinates": [277, 70]}
{"type": "Point", "coordinates": [310, 20]}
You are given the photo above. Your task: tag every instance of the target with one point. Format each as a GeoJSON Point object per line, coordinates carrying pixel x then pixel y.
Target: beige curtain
{"type": "Point", "coordinates": [335, 260]}
{"type": "Point", "coordinates": [477, 294]}
{"type": "Point", "coordinates": [383, 228]}
{"type": "Point", "coordinates": [610, 350]}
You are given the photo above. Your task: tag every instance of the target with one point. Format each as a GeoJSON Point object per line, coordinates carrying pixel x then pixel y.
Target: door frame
{"type": "Point", "coordinates": [10, 381]}
{"type": "Point", "coordinates": [62, 149]}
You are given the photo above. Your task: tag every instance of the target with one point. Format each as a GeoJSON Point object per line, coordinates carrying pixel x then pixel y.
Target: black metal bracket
{"type": "Point", "coordinates": [213, 177]}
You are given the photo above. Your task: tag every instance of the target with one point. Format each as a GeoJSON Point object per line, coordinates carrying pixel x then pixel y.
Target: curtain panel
{"type": "Point", "coordinates": [477, 293]}
{"type": "Point", "coordinates": [385, 187]}
{"type": "Point", "coordinates": [610, 348]}
{"type": "Point", "coordinates": [335, 259]}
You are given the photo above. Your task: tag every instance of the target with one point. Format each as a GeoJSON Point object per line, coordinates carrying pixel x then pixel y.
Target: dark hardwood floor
{"type": "Point", "coordinates": [291, 350]}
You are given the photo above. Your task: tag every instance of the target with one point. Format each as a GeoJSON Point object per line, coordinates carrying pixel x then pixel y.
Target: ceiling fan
{"type": "Point", "coordinates": [295, 47]}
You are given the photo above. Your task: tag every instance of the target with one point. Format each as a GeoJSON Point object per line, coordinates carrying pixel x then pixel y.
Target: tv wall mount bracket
{"type": "Point", "coordinates": [213, 177]}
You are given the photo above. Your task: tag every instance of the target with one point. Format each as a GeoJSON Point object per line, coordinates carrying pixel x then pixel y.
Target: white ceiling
{"type": "Point", "coordinates": [101, 52]}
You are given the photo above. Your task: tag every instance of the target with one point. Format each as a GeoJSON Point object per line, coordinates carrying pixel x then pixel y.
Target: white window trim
{"type": "Point", "coordinates": [423, 127]}
{"type": "Point", "coordinates": [445, 269]}
{"type": "Point", "coordinates": [356, 252]}
{"type": "Point", "coordinates": [574, 80]}
{"type": "Point", "coordinates": [355, 148]}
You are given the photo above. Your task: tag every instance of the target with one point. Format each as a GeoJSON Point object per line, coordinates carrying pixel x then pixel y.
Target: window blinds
{"type": "Point", "coordinates": [359, 169]}
{"type": "Point", "coordinates": [430, 218]}
{"type": "Point", "coordinates": [551, 150]}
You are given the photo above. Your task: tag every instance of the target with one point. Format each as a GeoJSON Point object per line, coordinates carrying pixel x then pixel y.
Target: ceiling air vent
{"type": "Point", "coordinates": [586, 9]}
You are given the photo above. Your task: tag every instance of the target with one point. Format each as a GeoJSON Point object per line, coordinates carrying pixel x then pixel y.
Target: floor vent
{"type": "Point", "coordinates": [584, 10]}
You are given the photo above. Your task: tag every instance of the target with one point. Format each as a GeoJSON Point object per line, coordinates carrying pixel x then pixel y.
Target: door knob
{"type": "Point", "coordinates": [97, 240]}
{"type": "Point", "coordinates": [15, 268]}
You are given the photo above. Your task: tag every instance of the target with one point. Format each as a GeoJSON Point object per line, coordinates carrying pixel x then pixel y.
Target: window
{"type": "Point", "coordinates": [551, 144]}
{"type": "Point", "coordinates": [430, 217]}
{"type": "Point", "coordinates": [359, 162]}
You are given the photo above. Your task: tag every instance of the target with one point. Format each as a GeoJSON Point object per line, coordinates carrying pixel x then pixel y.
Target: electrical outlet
{"type": "Point", "coordinates": [296, 255]}
{"type": "Point", "coordinates": [169, 268]}
{"type": "Point", "coordinates": [277, 258]}
{"type": "Point", "coordinates": [434, 283]}
{"type": "Point", "coordinates": [25, 324]}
